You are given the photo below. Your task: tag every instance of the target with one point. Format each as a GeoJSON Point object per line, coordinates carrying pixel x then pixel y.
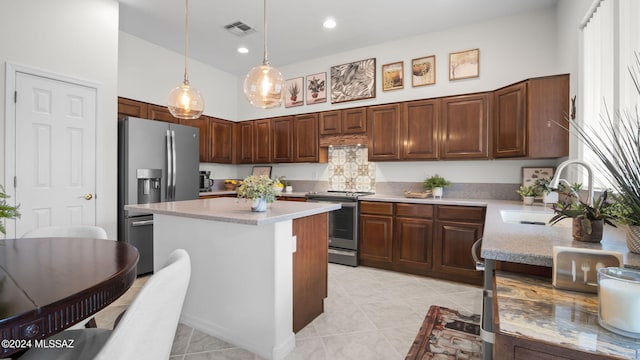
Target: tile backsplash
{"type": "Point", "coordinates": [350, 169]}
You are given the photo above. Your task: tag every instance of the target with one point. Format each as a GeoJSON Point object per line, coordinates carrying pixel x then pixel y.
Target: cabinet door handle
{"type": "Point", "coordinates": [474, 254]}
{"type": "Point", "coordinates": [142, 223]}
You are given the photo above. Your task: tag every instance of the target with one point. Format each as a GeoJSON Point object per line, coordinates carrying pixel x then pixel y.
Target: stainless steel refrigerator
{"type": "Point", "coordinates": [157, 162]}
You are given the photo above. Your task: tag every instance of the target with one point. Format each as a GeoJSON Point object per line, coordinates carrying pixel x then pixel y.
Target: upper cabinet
{"type": "Point", "coordinates": [305, 138]}
{"type": "Point", "coordinates": [262, 141]}
{"type": "Point", "coordinates": [383, 122]}
{"type": "Point", "coordinates": [465, 126]}
{"type": "Point", "coordinates": [525, 118]}
{"type": "Point", "coordinates": [132, 108]}
{"type": "Point", "coordinates": [161, 113]}
{"type": "Point", "coordinates": [419, 130]}
{"type": "Point", "coordinates": [220, 140]}
{"type": "Point", "coordinates": [244, 142]}
{"type": "Point", "coordinates": [282, 135]}
{"type": "Point", "coordinates": [343, 122]}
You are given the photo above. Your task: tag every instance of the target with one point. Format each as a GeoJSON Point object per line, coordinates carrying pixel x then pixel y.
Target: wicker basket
{"type": "Point", "coordinates": [633, 239]}
{"type": "Point", "coordinates": [417, 195]}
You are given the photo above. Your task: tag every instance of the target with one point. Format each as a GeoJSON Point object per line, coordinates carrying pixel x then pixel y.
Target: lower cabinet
{"type": "Point", "coordinates": [376, 226]}
{"type": "Point", "coordinates": [423, 239]}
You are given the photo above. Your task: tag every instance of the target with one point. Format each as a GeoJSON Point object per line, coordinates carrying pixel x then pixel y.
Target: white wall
{"type": "Point", "coordinates": [147, 72]}
{"type": "Point", "coordinates": [78, 39]}
{"type": "Point", "coordinates": [511, 49]}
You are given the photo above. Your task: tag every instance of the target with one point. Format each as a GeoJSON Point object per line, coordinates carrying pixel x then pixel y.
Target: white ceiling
{"type": "Point", "coordinates": [295, 31]}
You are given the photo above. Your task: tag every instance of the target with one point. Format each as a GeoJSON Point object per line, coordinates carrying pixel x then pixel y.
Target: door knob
{"type": "Point", "coordinates": [88, 196]}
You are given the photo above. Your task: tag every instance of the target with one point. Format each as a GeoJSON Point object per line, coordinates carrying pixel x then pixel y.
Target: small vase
{"type": "Point", "coordinates": [528, 200]}
{"type": "Point", "coordinates": [288, 189]}
{"type": "Point", "coordinates": [581, 231]}
{"type": "Point", "coordinates": [633, 238]}
{"type": "Point", "coordinates": [259, 205]}
{"type": "Point", "coordinates": [437, 192]}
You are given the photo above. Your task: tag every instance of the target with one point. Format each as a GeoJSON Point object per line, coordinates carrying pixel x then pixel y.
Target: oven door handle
{"type": "Point", "coordinates": [344, 204]}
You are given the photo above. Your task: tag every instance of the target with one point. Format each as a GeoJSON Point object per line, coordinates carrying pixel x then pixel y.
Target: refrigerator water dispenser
{"type": "Point", "coordinates": [148, 185]}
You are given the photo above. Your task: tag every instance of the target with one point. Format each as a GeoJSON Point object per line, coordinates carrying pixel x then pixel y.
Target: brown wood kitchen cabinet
{"type": "Point", "coordinates": [161, 113]}
{"type": "Point", "coordinates": [457, 228]}
{"type": "Point", "coordinates": [220, 138]}
{"type": "Point", "coordinates": [262, 141]}
{"type": "Point", "coordinates": [419, 130]}
{"type": "Point", "coordinates": [464, 126]}
{"type": "Point", "coordinates": [132, 108]}
{"type": "Point", "coordinates": [343, 122]}
{"type": "Point", "coordinates": [281, 139]}
{"type": "Point", "coordinates": [376, 234]}
{"type": "Point", "coordinates": [305, 138]}
{"type": "Point", "coordinates": [423, 239]}
{"type": "Point", "coordinates": [383, 122]}
{"type": "Point", "coordinates": [525, 115]}
{"type": "Point", "coordinates": [413, 242]}
{"type": "Point", "coordinates": [244, 142]}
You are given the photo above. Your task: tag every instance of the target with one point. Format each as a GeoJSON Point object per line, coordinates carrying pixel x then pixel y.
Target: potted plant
{"type": "Point", "coordinates": [279, 184]}
{"type": "Point", "coordinates": [588, 221]}
{"type": "Point", "coordinates": [6, 211]}
{"type": "Point", "coordinates": [260, 189]}
{"type": "Point", "coordinates": [315, 86]}
{"type": "Point", "coordinates": [293, 91]}
{"type": "Point", "coordinates": [529, 193]}
{"type": "Point", "coordinates": [616, 143]}
{"type": "Point", "coordinates": [436, 183]}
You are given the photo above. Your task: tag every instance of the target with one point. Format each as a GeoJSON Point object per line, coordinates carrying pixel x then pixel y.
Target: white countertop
{"type": "Point", "coordinates": [235, 210]}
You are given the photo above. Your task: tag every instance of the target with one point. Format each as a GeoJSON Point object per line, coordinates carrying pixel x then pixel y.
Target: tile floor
{"type": "Point", "coordinates": [370, 314]}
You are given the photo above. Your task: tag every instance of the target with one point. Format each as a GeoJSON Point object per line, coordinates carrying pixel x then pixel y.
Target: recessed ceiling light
{"type": "Point", "coordinates": [243, 50]}
{"type": "Point", "coordinates": [329, 23]}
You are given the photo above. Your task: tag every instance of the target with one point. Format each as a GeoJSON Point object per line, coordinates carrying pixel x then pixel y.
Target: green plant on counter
{"type": "Point", "coordinates": [602, 209]}
{"type": "Point", "coordinates": [531, 190]}
{"type": "Point", "coordinates": [6, 211]}
{"type": "Point", "coordinates": [257, 187]}
{"type": "Point", "coordinates": [435, 181]}
{"type": "Point", "coordinates": [616, 143]}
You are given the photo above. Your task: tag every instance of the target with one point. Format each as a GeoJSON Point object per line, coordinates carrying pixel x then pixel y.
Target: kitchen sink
{"type": "Point", "coordinates": [529, 217]}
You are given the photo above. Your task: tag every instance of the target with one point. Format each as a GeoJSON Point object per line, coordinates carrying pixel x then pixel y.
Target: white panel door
{"type": "Point", "coordinates": [55, 152]}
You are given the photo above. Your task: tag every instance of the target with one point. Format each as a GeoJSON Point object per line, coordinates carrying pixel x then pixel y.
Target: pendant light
{"type": "Point", "coordinates": [185, 102]}
{"type": "Point", "coordinates": [263, 85]}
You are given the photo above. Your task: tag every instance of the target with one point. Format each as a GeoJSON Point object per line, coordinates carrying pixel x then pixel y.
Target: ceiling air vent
{"type": "Point", "coordinates": [239, 28]}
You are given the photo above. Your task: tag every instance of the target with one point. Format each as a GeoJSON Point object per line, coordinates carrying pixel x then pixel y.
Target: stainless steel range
{"type": "Point", "coordinates": [343, 225]}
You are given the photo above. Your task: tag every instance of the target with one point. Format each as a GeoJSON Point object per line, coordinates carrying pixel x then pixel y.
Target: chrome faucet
{"type": "Point", "coordinates": [555, 182]}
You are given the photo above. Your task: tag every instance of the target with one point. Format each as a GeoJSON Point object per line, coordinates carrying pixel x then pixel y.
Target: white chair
{"type": "Point", "coordinates": [146, 330]}
{"type": "Point", "coordinates": [75, 231]}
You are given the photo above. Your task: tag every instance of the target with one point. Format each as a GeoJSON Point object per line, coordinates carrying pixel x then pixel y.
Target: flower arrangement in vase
{"type": "Point", "coordinates": [260, 189]}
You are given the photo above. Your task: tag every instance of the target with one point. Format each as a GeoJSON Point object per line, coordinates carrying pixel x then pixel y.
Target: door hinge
{"type": "Point", "coordinates": [15, 181]}
{"type": "Point", "coordinates": [15, 97]}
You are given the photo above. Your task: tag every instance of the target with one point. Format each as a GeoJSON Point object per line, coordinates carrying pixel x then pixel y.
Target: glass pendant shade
{"type": "Point", "coordinates": [263, 87]}
{"type": "Point", "coordinates": [185, 102]}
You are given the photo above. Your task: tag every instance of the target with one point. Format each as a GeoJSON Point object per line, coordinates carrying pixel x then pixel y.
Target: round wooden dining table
{"type": "Point", "coordinates": [50, 284]}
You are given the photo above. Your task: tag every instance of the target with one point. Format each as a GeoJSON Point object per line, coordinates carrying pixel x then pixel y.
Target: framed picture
{"type": "Point", "coordinates": [294, 95]}
{"type": "Point", "coordinates": [531, 174]}
{"type": "Point", "coordinates": [464, 64]}
{"type": "Point", "coordinates": [316, 88]}
{"type": "Point", "coordinates": [423, 71]}
{"type": "Point", "coordinates": [353, 81]}
{"type": "Point", "coordinates": [261, 170]}
{"type": "Point", "coordinates": [393, 76]}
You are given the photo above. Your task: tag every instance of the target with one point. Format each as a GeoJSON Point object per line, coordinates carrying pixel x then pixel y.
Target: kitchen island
{"type": "Point", "coordinates": [256, 277]}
